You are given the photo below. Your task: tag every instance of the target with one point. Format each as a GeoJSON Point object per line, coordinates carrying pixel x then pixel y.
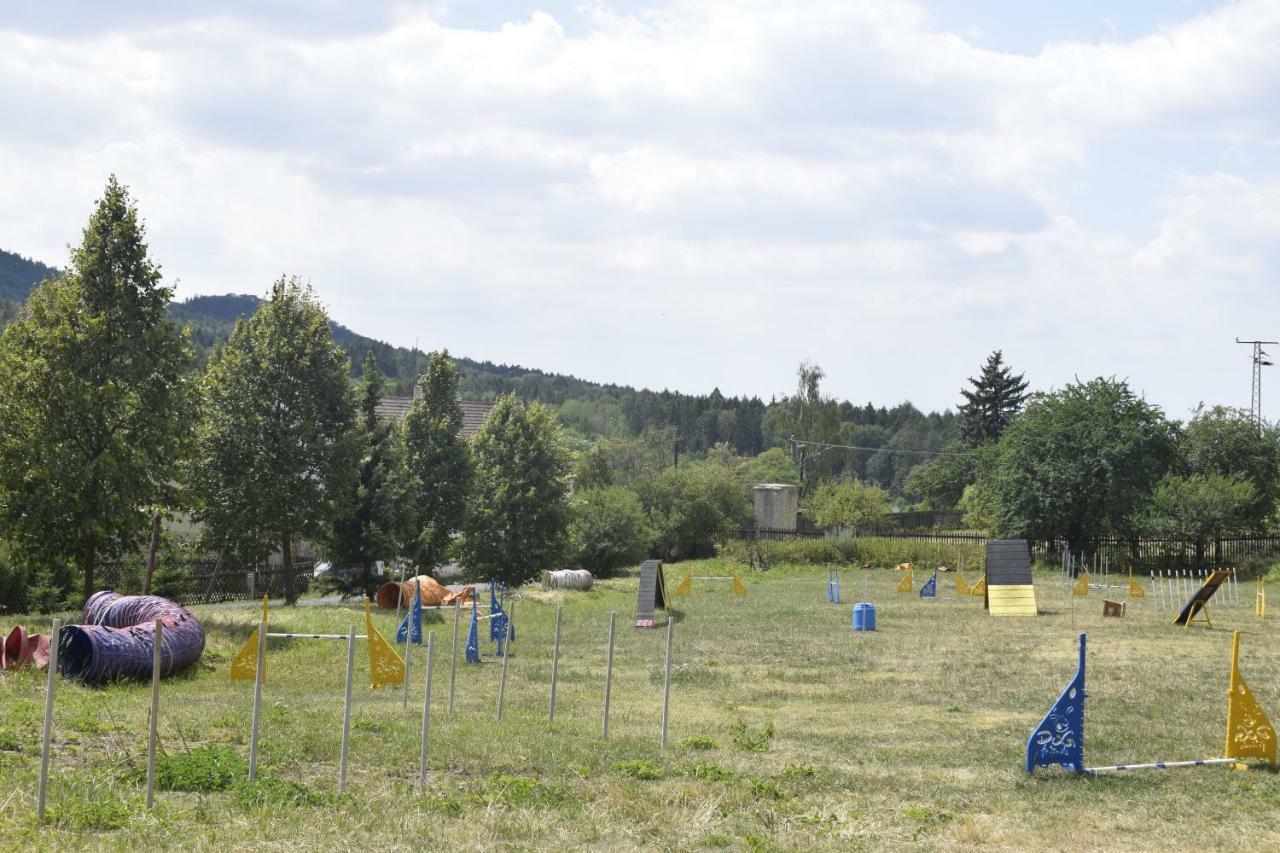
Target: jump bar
{"type": "Point", "coordinates": [1160, 765]}
{"type": "Point", "coordinates": [318, 636]}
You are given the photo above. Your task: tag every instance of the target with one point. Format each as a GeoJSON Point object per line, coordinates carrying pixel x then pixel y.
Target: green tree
{"type": "Point", "coordinates": [518, 511]}
{"type": "Point", "coordinates": [1079, 463]}
{"type": "Point", "coordinates": [693, 507]}
{"type": "Point", "coordinates": [367, 518]}
{"type": "Point", "coordinates": [997, 396]}
{"type": "Point", "coordinates": [95, 409]}
{"type": "Point", "coordinates": [607, 529]}
{"type": "Point", "coordinates": [807, 422]}
{"type": "Point", "coordinates": [1227, 442]}
{"type": "Point", "coordinates": [275, 450]}
{"type": "Point", "coordinates": [1201, 506]}
{"type": "Point", "coordinates": [850, 504]}
{"type": "Point", "coordinates": [436, 466]}
{"type": "Point", "coordinates": [941, 481]}
{"type": "Point", "coordinates": [626, 461]}
{"type": "Point", "coordinates": [772, 466]}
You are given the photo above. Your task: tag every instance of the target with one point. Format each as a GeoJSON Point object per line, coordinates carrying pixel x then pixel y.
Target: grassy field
{"type": "Point", "coordinates": [788, 731]}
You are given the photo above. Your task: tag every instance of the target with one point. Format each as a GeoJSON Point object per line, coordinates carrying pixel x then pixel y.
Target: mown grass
{"type": "Point", "coordinates": [787, 731]}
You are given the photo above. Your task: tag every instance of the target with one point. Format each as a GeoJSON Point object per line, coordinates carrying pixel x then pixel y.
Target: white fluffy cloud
{"type": "Point", "coordinates": [689, 194]}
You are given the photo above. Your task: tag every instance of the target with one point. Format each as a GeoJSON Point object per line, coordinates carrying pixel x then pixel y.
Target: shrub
{"type": "Point", "coordinates": [694, 507]}
{"type": "Point", "coordinates": [607, 529]}
{"type": "Point", "coordinates": [206, 768]}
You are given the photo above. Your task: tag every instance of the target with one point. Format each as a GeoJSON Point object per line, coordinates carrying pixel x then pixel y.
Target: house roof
{"type": "Point", "coordinates": [473, 412]}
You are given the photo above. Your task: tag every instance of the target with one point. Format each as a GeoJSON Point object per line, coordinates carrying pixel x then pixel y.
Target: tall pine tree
{"type": "Point", "coordinates": [95, 406]}
{"type": "Point", "coordinates": [997, 396]}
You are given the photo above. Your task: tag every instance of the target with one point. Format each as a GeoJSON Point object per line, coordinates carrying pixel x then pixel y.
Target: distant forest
{"type": "Point", "coordinates": [696, 422]}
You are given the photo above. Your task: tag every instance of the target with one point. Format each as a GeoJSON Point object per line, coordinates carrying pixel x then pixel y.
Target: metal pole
{"type": "Point", "coordinates": [426, 709]}
{"type": "Point", "coordinates": [346, 710]}
{"type": "Point", "coordinates": [55, 637]}
{"type": "Point", "coordinates": [502, 679]}
{"type": "Point", "coordinates": [408, 660]}
{"type": "Point", "coordinates": [608, 672]}
{"type": "Point", "coordinates": [555, 667]}
{"type": "Point", "coordinates": [399, 593]}
{"type": "Point", "coordinates": [666, 683]}
{"type": "Point", "coordinates": [258, 677]}
{"type": "Point", "coordinates": [453, 665]}
{"type": "Point", "coordinates": [155, 711]}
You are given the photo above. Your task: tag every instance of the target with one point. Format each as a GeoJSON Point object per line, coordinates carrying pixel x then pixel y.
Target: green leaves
{"type": "Point", "coordinates": [95, 403]}
{"type": "Point", "coordinates": [518, 509]}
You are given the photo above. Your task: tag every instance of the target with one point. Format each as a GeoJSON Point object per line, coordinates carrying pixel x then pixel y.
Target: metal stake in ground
{"type": "Point", "coordinates": [257, 698]}
{"type": "Point", "coordinates": [502, 679]}
{"type": "Point", "coordinates": [54, 638]}
{"type": "Point", "coordinates": [346, 710]}
{"type": "Point", "coordinates": [666, 683]}
{"type": "Point", "coordinates": [426, 709]}
{"type": "Point", "coordinates": [608, 671]}
{"type": "Point", "coordinates": [408, 658]}
{"type": "Point", "coordinates": [555, 667]}
{"type": "Point", "coordinates": [155, 711]}
{"type": "Point", "coordinates": [453, 666]}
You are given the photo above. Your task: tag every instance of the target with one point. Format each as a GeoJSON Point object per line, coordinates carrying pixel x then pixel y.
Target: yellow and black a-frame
{"type": "Point", "coordinates": [1198, 604]}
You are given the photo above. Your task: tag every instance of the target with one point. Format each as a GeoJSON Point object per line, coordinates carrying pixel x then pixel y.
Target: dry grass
{"type": "Point", "coordinates": [910, 737]}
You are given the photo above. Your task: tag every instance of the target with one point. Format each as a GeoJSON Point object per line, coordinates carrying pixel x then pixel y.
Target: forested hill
{"type": "Point", "coordinates": [18, 275]}
{"type": "Point", "coordinates": [694, 422]}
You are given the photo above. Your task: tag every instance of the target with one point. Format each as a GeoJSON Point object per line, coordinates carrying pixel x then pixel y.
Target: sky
{"type": "Point", "coordinates": [691, 195]}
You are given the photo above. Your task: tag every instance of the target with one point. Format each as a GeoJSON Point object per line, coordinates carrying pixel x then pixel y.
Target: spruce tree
{"type": "Point", "coordinates": [997, 396]}
{"type": "Point", "coordinates": [95, 405]}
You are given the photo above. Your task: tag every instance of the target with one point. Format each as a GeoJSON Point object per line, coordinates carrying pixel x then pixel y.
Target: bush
{"type": "Point", "coordinates": [607, 529]}
{"type": "Point", "coordinates": [851, 504]}
{"type": "Point", "coordinates": [879, 551]}
{"type": "Point", "coordinates": [692, 508]}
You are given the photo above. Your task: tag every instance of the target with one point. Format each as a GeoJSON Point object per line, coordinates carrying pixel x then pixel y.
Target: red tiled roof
{"type": "Point", "coordinates": [473, 412]}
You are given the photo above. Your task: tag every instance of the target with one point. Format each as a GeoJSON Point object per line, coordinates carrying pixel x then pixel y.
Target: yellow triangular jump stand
{"type": "Point", "coordinates": [1249, 732]}
{"type": "Point", "coordinates": [386, 667]}
{"type": "Point", "coordinates": [980, 588]}
{"type": "Point", "coordinates": [1135, 588]}
{"type": "Point", "coordinates": [905, 585]}
{"type": "Point", "coordinates": [1260, 600]}
{"type": "Point", "coordinates": [962, 586]}
{"type": "Point", "coordinates": [739, 588]}
{"type": "Point", "coordinates": [685, 588]}
{"type": "Point", "coordinates": [244, 667]}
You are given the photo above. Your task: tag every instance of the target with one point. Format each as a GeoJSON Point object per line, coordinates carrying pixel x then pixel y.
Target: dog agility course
{"type": "Point", "coordinates": [770, 723]}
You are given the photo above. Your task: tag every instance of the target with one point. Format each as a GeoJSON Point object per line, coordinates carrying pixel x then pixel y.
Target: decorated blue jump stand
{"type": "Point", "coordinates": [473, 635]}
{"type": "Point", "coordinates": [1059, 739]}
{"type": "Point", "coordinates": [833, 584]}
{"type": "Point", "coordinates": [412, 618]}
{"type": "Point", "coordinates": [500, 622]}
{"type": "Point", "coordinates": [930, 588]}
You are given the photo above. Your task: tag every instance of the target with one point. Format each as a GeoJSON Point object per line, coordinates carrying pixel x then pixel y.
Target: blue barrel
{"type": "Point", "coordinates": [864, 616]}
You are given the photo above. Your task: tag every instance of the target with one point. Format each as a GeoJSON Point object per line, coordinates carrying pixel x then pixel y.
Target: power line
{"type": "Point", "coordinates": [826, 445]}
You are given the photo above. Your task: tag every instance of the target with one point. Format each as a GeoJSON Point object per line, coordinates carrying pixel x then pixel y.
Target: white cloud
{"type": "Point", "coordinates": [645, 196]}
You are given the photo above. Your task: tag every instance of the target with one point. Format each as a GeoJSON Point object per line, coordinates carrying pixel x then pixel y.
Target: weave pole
{"type": "Point", "coordinates": [555, 668]}
{"type": "Point", "coordinates": [453, 665]}
{"type": "Point", "coordinates": [666, 684]}
{"type": "Point", "coordinates": [346, 711]}
{"type": "Point", "coordinates": [55, 632]}
{"type": "Point", "coordinates": [408, 659]}
{"type": "Point", "coordinates": [155, 712]}
{"type": "Point", "coordinates": [502, 679]}
{"type": "Point", "coordinates": [426, 709]}
{"type": "Point", "coordinates": [257, 698]}
{"type": "Point", "coordinates": [608, 672]}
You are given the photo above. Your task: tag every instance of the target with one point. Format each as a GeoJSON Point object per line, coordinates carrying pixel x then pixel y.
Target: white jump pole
{"type": "Point", "coordinates": [408, 661]}
{"type": "Point", "coordinates": [426, 709]}
{"type": "Point", "coordinates": [1160, 765]}
{"type": "Point", "coordinates": [453, 665]}
{"type": "Point", "coordinates": [666, 683]}
{"type": "Point", "coordinates": [54, 641]}
{"type": "Point", "coordinates": [258, 676]}
{"type": "Point", "coordinates": [346, 711]}
{"type": "Point", "coordinates": [555, 668]}
{"type": "Point", "coordinates": [608, 672]}
{"type": "Point", "coordinates": [155, 712]}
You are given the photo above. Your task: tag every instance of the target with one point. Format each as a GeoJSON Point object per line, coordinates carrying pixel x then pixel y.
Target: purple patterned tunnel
{"type": "Point", "coordinates": [118, 638]}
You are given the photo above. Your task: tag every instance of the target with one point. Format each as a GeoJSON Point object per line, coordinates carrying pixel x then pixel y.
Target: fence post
{"type": "Point", "coordinates": [54, 641]}
{"type": "Point", "coordinates": [155, 711]}
{"type": "Point", "coordinates": [666, 683]}
{"type": "Point", "coordinates": [608, 672]}
{"type": "Point", "coordinates": [555, 667]}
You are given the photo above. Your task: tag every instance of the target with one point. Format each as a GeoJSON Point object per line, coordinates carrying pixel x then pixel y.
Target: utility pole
{"type": "Point", "coordinates": [1260, 360]}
